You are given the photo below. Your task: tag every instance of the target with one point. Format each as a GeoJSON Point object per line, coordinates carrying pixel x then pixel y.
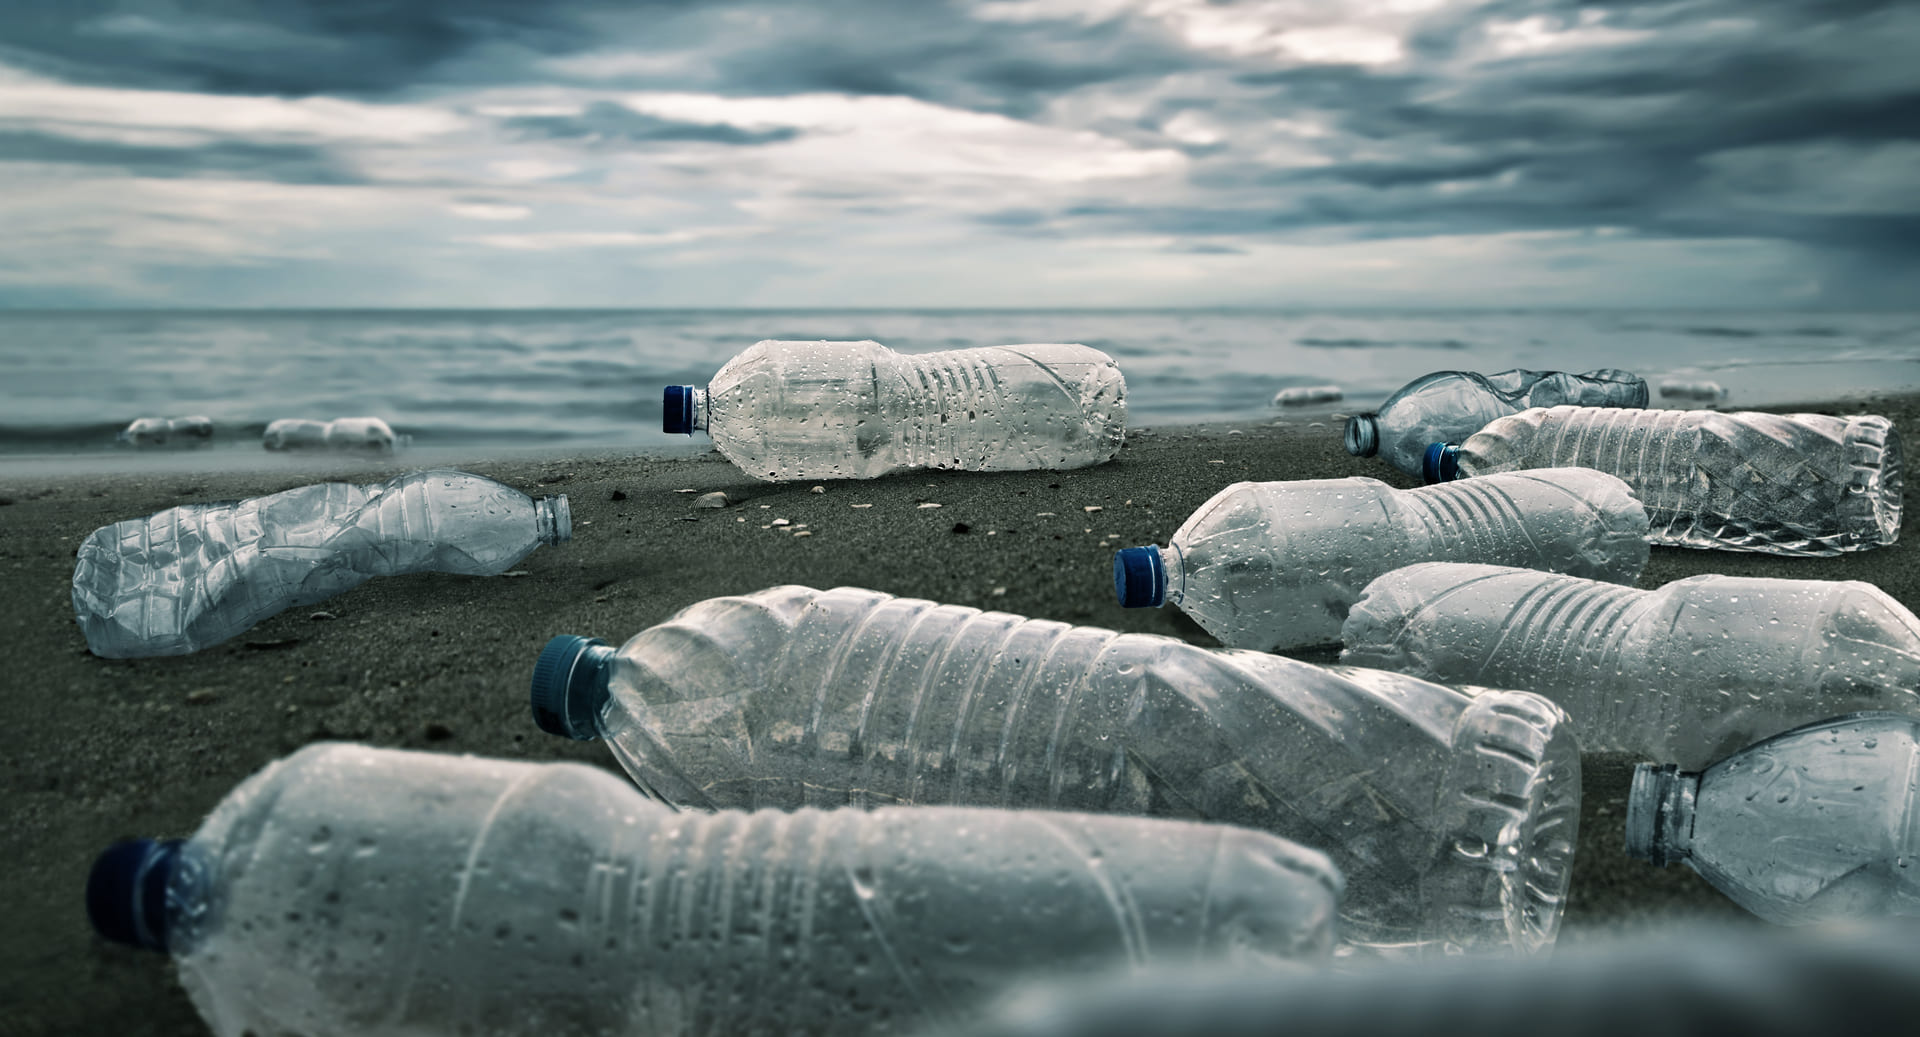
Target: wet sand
{"type": "Point", "coordinates": [97, 750]}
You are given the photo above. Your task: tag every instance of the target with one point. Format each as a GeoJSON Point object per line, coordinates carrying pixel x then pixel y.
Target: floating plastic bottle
{"type": "Point", "coordinates": [1449, 406]}
{"type": "Point", "coordinates": [1684, 674]}
{"type": "Point", "coordinates": [1788, 484]}
{"type": "Point", "coordinates": [369, 892]}
{"type": "Point", "coordinates": [1304, 395]}
{"type": "Point", "coordinates": [198, 574]}
{"type": "Point", "coordinates": [1813, 825]}
{"type": "Point", "coordinates": [856, 410]}
{"type": "Point", "coordinates": [1679, 981]}
{"type": "Point", "coordinates": [1275, 565]}
{"type": "Point", "coordinates": [1678, 389]}
{"type": "Point", "coordinates": [371, 434]}
{"type": "Point", "coordinates": [192, 431]}
{"type": "Point", "coordinates": [1452, 815]}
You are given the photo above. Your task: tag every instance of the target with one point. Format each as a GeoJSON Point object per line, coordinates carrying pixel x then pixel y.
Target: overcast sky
{"type": "Point", "coordinates": [456, 153]}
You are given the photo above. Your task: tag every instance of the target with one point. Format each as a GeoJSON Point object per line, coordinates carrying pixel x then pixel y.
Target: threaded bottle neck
{"type": "Point", "coordinates": [1660, 813]}
{"type": "Point", "coordinates": [1363, 435]}
{"type": "Point", "coordinates": [553, 520]}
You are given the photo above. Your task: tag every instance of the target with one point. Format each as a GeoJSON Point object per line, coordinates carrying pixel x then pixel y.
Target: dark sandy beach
{"type": "Point", "coordinates": [97, 750]}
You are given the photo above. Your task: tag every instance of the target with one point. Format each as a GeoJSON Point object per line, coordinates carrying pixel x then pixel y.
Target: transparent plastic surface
{"type": "Point", "coordinates": [1790, 484]}
{"type": "Point", "coordinates": [1692, 979]}
{"type": "Point", "coordinates": [348, 890]}
{"type": "Point", "coordinates": [1684, 674]}
{"type": "Point", "coordinates": [339, 434]}
{"type": "Point", "coordinates": [197, 575]}
{"type": "Point", "coordinates": [1273, 566]}
{"type": "Point", "coordinates": [1452, 815]}
{"type": "Point", "coordinates": [856, 410]}
{"type": "Point", "coordinates": [1449, 406]}
{"type": "Point", "coordinates": [1815, 825]}
{"type": "Point", "coordinates": [194, 430]}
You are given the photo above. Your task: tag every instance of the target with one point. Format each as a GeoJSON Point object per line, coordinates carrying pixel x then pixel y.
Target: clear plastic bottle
{"type": "Point", "coordinates": [1789, 484]}
{"type": "Point", "coordinates": [195, 575]}
{"type": "Point", "coordinates": [856, 410]}
{"type": "Point", "coordinates": [1307, 395]}
{"type": "Point", "coordinates": [339, 434]}
{"type": "Point", "coordinates": [1451, 814]}
{"type": "Point", "coordinates": [1818, 824]}
{"type": "Point", "coordinates": [1275, 565]}
{"type": "Point", "coordinates": [191, 431]}
{"type": "Point", "coordinates": [1449, 406]}
{"type": "Point", "coordinates": [347, 890]}
{"type": "Point", "coordinates": [1684, 674]}
{"type": "Point", "coordinates": [1690, 980]}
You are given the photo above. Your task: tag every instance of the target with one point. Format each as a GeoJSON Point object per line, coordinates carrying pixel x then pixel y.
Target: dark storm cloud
{"type": "Point", "coordinates": [282, 163]}
{"type": "Point", "coordinates": [608, 123]}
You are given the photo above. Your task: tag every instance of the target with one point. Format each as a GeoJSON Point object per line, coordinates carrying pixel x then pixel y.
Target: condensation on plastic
{"type": "Point", "coordinates": [369, 892]}
{"type": "Point", "coordinates": [196, 575]}
{"type": "Point", "coordinates": [1684, 674]}
{"type": "Point", "coordinates": [856, 410]}
{"type": "Point", "coordinates": [1273, 566]}
{"type": "Point", "coordinates": [1451, 814]}
{"type": "Point", "coordinates": [1790, 484]}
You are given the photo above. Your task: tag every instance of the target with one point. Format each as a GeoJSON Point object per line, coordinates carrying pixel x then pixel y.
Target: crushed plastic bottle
{"type": "Point", "coordinates": [195, 430]}
{"type": "Point", "coordinates": [1684, 674]}
{"type": "Point", "coordinates": [1788, 484]}
{"type": "Point", "coordinates": [1273, 566]}
{"type": "Point", "coordinates": [1814, 825]}
{"type": "Point", "coordinates": [856, 410]}
{"type": "Point", "coordinates": [372, 434]}
{"type": "Point", "coordinates": [1451, 814]}
{"type": "Point", "coordinates": [1448, 406]}
{"type": "Point", "coordinates": [196, 575]}
{"type": "Point", "coordinates": [1304, 395]}
{"type": "Point", "coordinates": [347, 890]}
{"type": "Point", "coordinates": [1694, 980]}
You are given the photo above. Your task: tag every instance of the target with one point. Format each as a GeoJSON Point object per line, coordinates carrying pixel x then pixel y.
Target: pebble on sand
{"type": "Point", "coordinates": [716, 499]}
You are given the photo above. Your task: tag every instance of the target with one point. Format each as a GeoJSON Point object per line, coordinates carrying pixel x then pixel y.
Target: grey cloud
{"type": "Point", "coordinates": [608, 123]}
{"type": "Point", "coordinates": [284, 163]}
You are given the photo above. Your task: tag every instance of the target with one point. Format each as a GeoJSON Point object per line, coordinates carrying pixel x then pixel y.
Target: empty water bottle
{"type": "Point", "coordinates": [198, 574]}
{"type": "Point", "coordinates": [1684, 674]}
{"type": "Point", "coordinates": [1679, 389]}
{"type": "Point", "coordinates": [195, 430]}
{"type": "Point", "coordinates": [348, 890]}
{"type": "Point", "coordinates": [1789, 484]}
{"type": "Point", "coordinates": [1448, 406]}
{"type": "Point", "coordinates": [1272, 566]}
{"type": "Point", "coordinates": [1452, 815]}
{"type": "Point", "coordinates": [339, 434]}
{"type": "Point", "coordinates": [1303, 395]}
{"type": "Point", "coordinates": [856, 410]}
{"type": "Point", "coordinates": [1813, 825]}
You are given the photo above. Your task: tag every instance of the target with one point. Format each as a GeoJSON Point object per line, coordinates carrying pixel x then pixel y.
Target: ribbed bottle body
{"type": "Point", "coordinates": [1274, 566]}
{"type": "Point", "coordinates": [794, 697]}
{"type": "Point", "coordinates": [197, 575]}
{"type": "Point", "coordinates": [1448, 406]}
{"type": "Point", "coordinates": [350, 890]}
{"type": "Point", "coordinates": [1819, 824]}
{"type": "Point", "coordinates": [1683, 674]}
{"type": "Point", "coordinates": [1792, 484]}
{"type": "Point", "coordinates": [856, 410]}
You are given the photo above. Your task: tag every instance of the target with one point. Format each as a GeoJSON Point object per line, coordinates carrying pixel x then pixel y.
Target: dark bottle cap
{"type": "Point", "coordinates": [1139, 577]}
{"type": "Point", "coordinates": [127, 892]}
{"type": "Point", "coordinates": [570, 685]}
{"type": "Point", "coordinates": [676, 413]}
{"type": "Point", "coordinates": [1441, 463]}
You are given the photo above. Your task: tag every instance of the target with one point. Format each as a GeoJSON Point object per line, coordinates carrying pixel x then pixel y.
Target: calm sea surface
{"type": "Point", "coordinates": [557, 379]}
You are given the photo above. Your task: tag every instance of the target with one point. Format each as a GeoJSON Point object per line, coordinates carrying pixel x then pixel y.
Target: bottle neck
{"type": "Point", "coordinates": [553, 520]}
{"type": "Point", "coordinates": [1172, 563]}
{"type": "Point", "coordinates": [1363, 435]}
{"type": "Point", "coordinates": [1660, 813]}
{"type": "Point", "coordinates": [697, 407]}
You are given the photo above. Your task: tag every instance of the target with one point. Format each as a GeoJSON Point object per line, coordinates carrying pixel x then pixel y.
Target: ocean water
{"type": "Point", "coordinates": [587, 379]}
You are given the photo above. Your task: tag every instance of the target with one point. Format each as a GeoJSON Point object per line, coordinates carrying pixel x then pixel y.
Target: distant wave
{"type": "Point", "coordinates": [1374, 343]}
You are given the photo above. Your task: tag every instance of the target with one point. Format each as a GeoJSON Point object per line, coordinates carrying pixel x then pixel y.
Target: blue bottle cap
{"type": "Point", "coordinates": [569, 685]}
{"type": "Point", "coordinates": [1139, 577]}
{"type": "Point", "coordinates": [1441, 464]}
{"type": "Point", "coordinates": [127, 892]}
{"type": "Point", "coordinates": [676, 410]}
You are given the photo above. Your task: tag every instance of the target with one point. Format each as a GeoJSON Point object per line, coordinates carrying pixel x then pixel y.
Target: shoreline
{"type": "Point", "coordinates": [107, 749]}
